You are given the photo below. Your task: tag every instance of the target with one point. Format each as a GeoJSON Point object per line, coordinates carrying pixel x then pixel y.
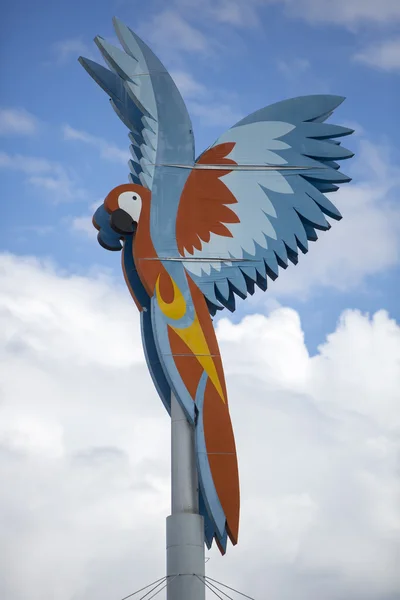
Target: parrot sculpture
{"type": "Point", "coordinates": [197, 233]}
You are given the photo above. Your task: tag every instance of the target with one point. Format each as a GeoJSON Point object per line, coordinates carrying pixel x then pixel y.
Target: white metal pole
{"type": "Point", "coordinates": [185, 527]}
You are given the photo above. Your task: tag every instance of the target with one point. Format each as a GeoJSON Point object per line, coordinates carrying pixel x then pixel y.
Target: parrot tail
{"type": "Point", "coordinates": [217, 464]}
{"type": "Point", "coordinates": [215, 442]}
{"type": "Point", "coordinates": [192, 360]}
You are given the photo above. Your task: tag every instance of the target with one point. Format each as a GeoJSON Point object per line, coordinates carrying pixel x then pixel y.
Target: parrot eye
{"type": "Point", "coordinates": [131, 203]}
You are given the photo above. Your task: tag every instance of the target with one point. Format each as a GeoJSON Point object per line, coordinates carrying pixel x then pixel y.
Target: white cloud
{"type": "Point", "coordinates": [341, 12]}
{"type": "Point", "coordinates": [70, 49]}
{"type": "Point", "coordinates": [41, 230]}
{"type": "Point", "coordinates": [295, 68]}
{"type": "Point", "coordinates": [385, 55]}
{"type": "Point", "coordinates": [17, 121]}
{"type": "Point", "coordinates": [108, 151]}
{"type": "Point", "coordinates": [171, 32]}
{"type": "Point", "coordinates": [84, 459]}
{"type": "Point", "coordinates": [49, 176]}
{"type": "Point", "coordinates": [208, 105]}
{"type": "Point", "coordinates": [214, 114]}
{"type": "Point", "coordinates": [84, 225]}
{"type": "Point", "coordinates": [300, 77]}
{"type": "Point", "coordinates": [235, 12]}
{"type": "Point", "coordinates": [344, 12]}
{"type": "Point", "coordinates": [229, 12]}
{"type": "Point", "coordinates": [187, 85]}
{"type": "Point", "coordinates": [26, 164]}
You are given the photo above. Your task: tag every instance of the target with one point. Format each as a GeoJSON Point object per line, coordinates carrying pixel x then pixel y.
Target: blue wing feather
{"type": "Point", "coordinates": [135, 82]}
{"type": "Point", "coordinates": [296, 110]}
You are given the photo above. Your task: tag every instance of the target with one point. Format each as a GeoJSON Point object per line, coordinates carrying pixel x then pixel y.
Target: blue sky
{"type": "Point", "coordinates": [63, 149]}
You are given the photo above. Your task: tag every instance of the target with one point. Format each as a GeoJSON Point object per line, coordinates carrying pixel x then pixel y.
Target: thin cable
{"type": "Point", "coordinates": [201, 259]}
{"type": "Point", "coordinates": [164, 586]}
{"type": "Point", "coordinates": [169, 580]}
{"type": "Point", "coordinates": [229, 588]}
{"type": "Point", "coordinates": [222, 591]}
{"type": "Point", "coordinates": [232, 167]}
{"type": "Point", "coordinates": [204, 582]}
{"type": "Point", "coordinates": [158, 591]}
{"type": "Point", "coordinates": [152, 589]}
{"type": "Point", "coordinates": [143, 588]}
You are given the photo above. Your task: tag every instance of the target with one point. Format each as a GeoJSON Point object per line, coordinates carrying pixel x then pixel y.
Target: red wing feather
{"type": "Point", "coordinates": [203, 205]}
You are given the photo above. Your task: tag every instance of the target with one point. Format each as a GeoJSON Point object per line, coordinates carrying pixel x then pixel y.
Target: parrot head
{"type": "Point", "coordinates": [119, 215]}
{"type": "Point", "coordinates": [124, 205]}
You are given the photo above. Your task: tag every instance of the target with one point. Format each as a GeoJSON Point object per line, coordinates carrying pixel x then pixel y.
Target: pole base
{"type": "Point", "coordinates": [185, 557]}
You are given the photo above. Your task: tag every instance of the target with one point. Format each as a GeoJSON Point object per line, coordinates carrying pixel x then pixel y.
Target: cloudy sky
{"type": "Point", "coordinates": [313, 365]}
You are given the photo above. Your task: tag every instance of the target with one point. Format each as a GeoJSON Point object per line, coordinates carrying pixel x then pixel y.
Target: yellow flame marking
{"type": "Point", "coordinates": [175, 309]}
{"type": "Point", "coordinates": [193, 336]}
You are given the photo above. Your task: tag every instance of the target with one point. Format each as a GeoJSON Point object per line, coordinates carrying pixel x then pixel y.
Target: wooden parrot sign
{"type": "Point", "coordinates": [197, 232]}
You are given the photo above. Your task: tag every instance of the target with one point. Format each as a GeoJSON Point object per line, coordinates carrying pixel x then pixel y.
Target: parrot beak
{"type": "Point", "coordinates": [107, 238]}
{"type": "Point", "coordinates": [121, 222]}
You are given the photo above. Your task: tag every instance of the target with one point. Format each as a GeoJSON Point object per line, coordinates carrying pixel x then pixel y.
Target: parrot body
{"type": "Point", "coordinates": [195, 234]}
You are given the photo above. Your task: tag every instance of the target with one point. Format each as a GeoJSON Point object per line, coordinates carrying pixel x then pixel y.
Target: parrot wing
{"type": "Point", "coordinates": [147, 101]}
{"type": "Point", "coordinates": [257, 196]}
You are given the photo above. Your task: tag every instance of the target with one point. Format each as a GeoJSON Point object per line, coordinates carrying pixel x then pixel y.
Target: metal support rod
{"type": "Point", "coordinates": [185, 527]}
